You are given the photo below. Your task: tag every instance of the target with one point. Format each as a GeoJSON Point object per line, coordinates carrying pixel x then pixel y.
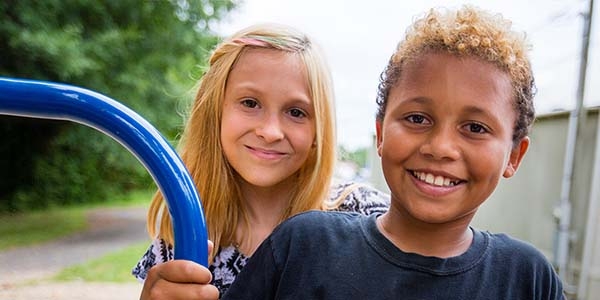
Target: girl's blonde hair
{"type": "Point", "coordinates": [201, 150]}
{"type": "Point", "coordinates": [468, 32]}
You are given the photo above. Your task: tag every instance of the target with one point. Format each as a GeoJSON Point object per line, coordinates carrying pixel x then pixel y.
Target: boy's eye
{"type": "Point", "coordinates": [297, 113]}
{"type": "Point", "coordinates": [416, 119]}
{"type": "Point", "coordinates": [476, 128]}
{"type": "Point", "coordinates": [251, 103]}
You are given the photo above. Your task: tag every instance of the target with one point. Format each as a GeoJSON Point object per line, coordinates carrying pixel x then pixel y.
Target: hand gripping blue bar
{"type": "Point", "coordinates": [47, 100]}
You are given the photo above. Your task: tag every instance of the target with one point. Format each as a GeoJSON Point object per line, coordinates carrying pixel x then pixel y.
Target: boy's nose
{"type": "Point", "coordinates": [441, 144]}
{"type": "Point", "coordinates": [270, 129]}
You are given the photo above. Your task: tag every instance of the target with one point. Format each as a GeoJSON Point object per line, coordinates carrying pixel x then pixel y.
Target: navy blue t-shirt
{"type": "Point", "coordinates": [329, 255]}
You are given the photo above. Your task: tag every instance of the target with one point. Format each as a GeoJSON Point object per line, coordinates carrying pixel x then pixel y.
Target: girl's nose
{"type": "Point", "coordinates": [270, 129]}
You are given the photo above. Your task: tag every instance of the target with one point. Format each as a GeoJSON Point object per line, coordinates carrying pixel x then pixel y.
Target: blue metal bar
{"type": "Point", "coordinates": [48, 100]}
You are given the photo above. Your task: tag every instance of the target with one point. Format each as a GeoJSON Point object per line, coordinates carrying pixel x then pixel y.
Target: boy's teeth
{"type": "Point", "coordinates": [434, 180]}
{"type": "Point", "coordinates": [429, 178]}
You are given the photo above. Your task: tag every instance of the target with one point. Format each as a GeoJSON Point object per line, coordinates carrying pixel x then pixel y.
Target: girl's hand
{"type": "Point", "coordinates": [179, 279]}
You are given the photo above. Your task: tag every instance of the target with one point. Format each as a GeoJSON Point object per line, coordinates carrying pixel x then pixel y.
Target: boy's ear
{"type": "Point", "coordinates": [516, 156]}
{"type": "Point", "coordinates": [379, 136]}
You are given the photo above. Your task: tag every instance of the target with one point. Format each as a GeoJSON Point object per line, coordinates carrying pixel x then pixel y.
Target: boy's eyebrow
{"type": "Point", "coordinates": [470, 109]}
{"type": "Point", "coordinates": [475, 110]}
{"type": "Point", "coordinates": [420, 100]}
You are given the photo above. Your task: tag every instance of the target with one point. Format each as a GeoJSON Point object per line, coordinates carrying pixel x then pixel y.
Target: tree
{"type": "Point", "coordinates": [359, 156]}
{"type": "Point", "coordinates": [145, 54]}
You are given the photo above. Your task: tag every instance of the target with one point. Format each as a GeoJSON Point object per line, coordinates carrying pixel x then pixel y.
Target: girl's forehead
{"type": "Point", "coordinates": [252, 53]}
{"type": "Point", "coordinates": [251, 58]}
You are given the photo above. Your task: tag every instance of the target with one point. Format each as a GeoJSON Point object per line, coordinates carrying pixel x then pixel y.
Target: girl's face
{"type": "Point", "coordinates": [268, 126]}
{"type": "Point", "coordinates": [446, 138]}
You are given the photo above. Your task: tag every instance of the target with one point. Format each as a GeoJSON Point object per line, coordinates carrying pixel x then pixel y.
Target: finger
{"type": "Point", "coordinates": [181, 271]}
{"type": "Point", "coordinates": [169, 290]}
{"type": "Point", "coordinates": [210, 247]}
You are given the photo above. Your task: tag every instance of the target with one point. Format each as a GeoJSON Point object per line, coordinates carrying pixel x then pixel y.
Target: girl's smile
{"type": "Point", "coordinates": [266, 154]}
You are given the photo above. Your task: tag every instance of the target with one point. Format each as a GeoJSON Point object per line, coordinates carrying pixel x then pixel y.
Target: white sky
{"type": "Point", "coordinates": [359, 36]}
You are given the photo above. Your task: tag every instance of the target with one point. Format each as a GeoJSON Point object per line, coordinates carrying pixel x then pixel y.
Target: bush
{"type": "Point", "coordinates": [81, 165]}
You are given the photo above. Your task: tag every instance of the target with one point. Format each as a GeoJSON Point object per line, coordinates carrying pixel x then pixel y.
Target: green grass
{"type": "Point", "coordinates": [37, 227]}
{"type": "Point", "coordinates": [30, 228]}
{"type": "Point", "coordinates": [113, 267]}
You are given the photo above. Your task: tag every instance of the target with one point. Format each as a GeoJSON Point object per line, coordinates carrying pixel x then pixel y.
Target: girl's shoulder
{"type": "Point", "coordinates": [158, 252]}
{"type": "Point", "coordinates": [228, 263]}
{"type": "Point", "coordinates": [357, 197]}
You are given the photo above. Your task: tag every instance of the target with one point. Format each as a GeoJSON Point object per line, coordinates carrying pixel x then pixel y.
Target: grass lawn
{"type": "Point", "coordinates": [31, 228]}
{"type": "Point", "coordinates": [113, 267]}
{"type": "Point", "coordinates": [24, 229]}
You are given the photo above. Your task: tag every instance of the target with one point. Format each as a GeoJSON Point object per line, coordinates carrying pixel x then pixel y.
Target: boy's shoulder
{"type": "Point", "coordinates": [525, 263]}
{"type": "Point", "coordinates": [506, 243]}
{"type": "Point", "coordinates": [507, 248]}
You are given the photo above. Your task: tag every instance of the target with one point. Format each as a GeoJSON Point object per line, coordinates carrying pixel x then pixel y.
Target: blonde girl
{"type": "Point", "coordinates": [260, 145]}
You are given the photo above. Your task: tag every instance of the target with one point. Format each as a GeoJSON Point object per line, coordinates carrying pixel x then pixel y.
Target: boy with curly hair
{"type": "Point", "coordinates": [455, 106]}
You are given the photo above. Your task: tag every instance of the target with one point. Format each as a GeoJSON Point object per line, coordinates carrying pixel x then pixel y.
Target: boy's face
{"type": "Point", "coordinates": [446, 137]}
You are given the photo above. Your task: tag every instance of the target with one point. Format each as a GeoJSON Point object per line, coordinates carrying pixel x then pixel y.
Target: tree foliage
{"type": "Point", "coordinates": [145, 54]}
{"type": "Point", "coordinates": [359, 156]}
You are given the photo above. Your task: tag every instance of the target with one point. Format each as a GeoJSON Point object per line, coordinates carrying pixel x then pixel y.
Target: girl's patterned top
{"type": "Point", "coordinates": [229, 261]}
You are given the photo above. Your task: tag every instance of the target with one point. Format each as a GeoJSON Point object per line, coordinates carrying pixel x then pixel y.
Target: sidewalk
{"type": "Point", "coordinates": [24, 271]}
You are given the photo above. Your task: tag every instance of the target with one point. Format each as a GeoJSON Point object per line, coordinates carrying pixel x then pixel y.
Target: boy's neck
{"type": "Point", "coordinates": [438, 240]}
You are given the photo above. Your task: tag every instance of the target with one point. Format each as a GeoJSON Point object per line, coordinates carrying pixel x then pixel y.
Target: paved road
{"type": "Point", "coordinates": [23, 270]}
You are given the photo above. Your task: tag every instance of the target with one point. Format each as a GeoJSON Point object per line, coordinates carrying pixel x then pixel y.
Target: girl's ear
{"type": "Point", "coordinates": [516, 156]}
{"type": "Point", "coordinates": [379, 136]}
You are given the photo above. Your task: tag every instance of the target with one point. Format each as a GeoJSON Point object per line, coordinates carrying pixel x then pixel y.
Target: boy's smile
{"type": "Point", "coordinates": [437, 180]}
{"type": "Point", "coordinates": [435, 185]}
{"type": "Point", "coordinates": [446, 137]}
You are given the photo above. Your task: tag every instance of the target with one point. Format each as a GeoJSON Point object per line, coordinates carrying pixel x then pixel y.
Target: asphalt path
{"type": "Point", "coordinates": [24, 271]}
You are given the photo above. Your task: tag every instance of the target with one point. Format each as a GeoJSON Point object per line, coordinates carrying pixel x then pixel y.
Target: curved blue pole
{"type": "Point", "coordinates": [47, 100]}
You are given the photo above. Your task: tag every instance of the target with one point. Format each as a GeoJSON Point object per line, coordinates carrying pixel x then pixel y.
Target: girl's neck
{"type": "Point", "coordinates": [264, 210]}
{"type": "Point", "coordinates": [438, 240]}
{"type": "Point", "coordinates": [266, 204]}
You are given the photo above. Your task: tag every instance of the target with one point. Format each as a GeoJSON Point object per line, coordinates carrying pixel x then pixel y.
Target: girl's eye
{"type": "Point", "coordinates": [416, 119]}
{"type": "Point", "coordinates": [476, 128]}
{"type": "Point", "coordinates": [297, 113]}
{"type": "Point", "coordinates": [250, 103]}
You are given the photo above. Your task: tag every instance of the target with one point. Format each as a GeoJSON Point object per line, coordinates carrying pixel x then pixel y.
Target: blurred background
{"type": "Point", "coordinates": [149, 54]}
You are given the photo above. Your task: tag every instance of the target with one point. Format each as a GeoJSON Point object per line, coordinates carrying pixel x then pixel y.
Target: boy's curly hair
{"type": "Point", "coordinates": [468, 32]}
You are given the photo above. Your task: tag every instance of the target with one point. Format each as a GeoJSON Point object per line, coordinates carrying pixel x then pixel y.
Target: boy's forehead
{"type": "Point", "coordinates": [431, 67]}
{"type": "Point", "coordinates": [446, 77]}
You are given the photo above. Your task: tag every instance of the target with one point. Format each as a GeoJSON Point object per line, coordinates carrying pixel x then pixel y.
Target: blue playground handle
{"type": "Point", "coordinates": [48, 100]}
